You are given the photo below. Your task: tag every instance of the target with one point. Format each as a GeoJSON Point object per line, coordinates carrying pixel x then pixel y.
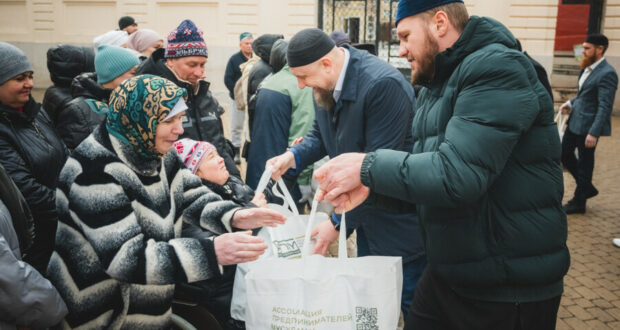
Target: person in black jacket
{"type": "Point", "coordinates": [30, 150]}
{"type": "Point", "coordinates": [77, 120]}
{"type": "Point", "coordinates": [262, 47]}
{"type": "Point", "coordinates": [233, 73]}
{"type": "Point", "coordinates": [183, 62]}
{"type": "Point", "coordinates": [64, 62]}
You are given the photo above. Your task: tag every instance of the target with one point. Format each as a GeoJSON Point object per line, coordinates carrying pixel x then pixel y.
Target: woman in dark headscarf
{"type": "Point", "coordinates": [125, 205]}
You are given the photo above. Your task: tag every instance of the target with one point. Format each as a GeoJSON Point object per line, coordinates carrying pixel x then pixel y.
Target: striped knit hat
{"type": "Point", "coordinates": [191, 152]}
{"type": "Point", "coordinates": [186, 40]}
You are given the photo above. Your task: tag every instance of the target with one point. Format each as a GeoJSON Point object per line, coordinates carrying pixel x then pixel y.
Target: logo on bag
{"type": "Point", "coordinates": [287, 248]}
{"type": "Point", "coordinates": [366, 318]}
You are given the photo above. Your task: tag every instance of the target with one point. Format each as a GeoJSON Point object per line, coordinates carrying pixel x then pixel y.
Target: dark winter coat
{"type": "Point", "coordinates": [233, 72]}
{"type": "Point", "coordinates": [64, 63]}
{"type": "Point", "coordinates": [233, 190]}
{"type": "Point", "coordinates": [202, 121]}
{"type": "Point", "coordinates": [27, 299]}
{"type": "Point", "coordinates": [484, 172]}
{"type": "Point", "coordinates": [261, 69]}
{"type": "Point", "coordinates": [375, 110]}
{"type": "Point", "coordinates": [76, 120]}
{"type": "Point", "coordinates": [122, 243]}
{"type": "Point", "coordinates": [33, 155]}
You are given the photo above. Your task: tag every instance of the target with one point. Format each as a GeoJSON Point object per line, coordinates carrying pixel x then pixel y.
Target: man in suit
{"type": "Point", "coordinates": [590, 119]}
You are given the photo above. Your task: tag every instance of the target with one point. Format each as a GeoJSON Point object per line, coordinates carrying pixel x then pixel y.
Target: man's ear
{"type": "Point", "coordinates": [441, 22]}
{"type": "Point", "coordinates": [326, 63]}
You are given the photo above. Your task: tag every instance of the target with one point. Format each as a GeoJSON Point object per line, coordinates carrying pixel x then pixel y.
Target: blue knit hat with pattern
{"type": "Point", "coordinates": [408, 8]}
{"type": "Point", "coordinates": [113, 61]}
{"type": "Point", "coordinates": [186, 40]}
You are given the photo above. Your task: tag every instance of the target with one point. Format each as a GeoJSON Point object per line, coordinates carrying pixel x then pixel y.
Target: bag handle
{"type": "Point", "coordinates": [264, 180]}
{"type": "Point", "coordinates": [342, 236]}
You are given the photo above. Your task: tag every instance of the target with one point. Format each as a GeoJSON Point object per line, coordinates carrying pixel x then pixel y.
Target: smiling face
{"type": "Point", "coordinates": [15, 92]}
{"type": "Point", "coordinates": [168, 132]}
{"type": "Point", "coordinates": [212, 168]}
{"type": "Point", "coordinates": [321, 76]}
{"type": "Point", "coordinates": [419, 47]}
{"type": "Point", "coordinates": [190, 68]}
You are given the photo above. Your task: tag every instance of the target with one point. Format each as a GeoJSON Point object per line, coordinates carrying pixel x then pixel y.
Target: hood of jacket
{"type": "Point", "coordinates": [277, 58]}
{"type": "Point", "coordinates": [263, 44]}
{"type": "Point", "coordinates": [86, 85]}
{"type": "Point", "coordinates": [478, 33]}
{"type": "Point", "coordinates": [64, 62]}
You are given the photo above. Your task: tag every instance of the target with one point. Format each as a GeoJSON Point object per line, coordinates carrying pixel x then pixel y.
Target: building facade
{"type": "Point", "coordinates": [547, 29]}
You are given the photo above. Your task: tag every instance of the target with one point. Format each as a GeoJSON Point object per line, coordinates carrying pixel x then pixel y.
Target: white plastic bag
{"type": "Point", "coordinates": [315, 292]}
{"type": "Point", "coordinates": [561, 120]}
{"type": "Point", "coordinates": [283, 241]}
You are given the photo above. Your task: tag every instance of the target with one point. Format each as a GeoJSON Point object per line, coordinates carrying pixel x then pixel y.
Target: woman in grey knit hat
{"type": "Point", "coordinates": [30, 150]}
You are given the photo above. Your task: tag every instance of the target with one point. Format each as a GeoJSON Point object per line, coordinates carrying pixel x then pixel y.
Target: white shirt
{"type": "Point", "coordinates": [343, 72]}
{"type": "Point", "coordinates": [585, 75]}
{"type": "Point", "coordinates": [587, 71]}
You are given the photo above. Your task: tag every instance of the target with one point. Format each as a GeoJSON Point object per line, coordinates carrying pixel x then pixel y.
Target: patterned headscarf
{"type": "Point", "coordinates": [136, 106]}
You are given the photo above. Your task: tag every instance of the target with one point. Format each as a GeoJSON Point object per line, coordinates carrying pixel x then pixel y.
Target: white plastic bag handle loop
{"type": "Point", "coordinates": [342, 237]}
{"type": "Point", "coordinates": [264, 180]}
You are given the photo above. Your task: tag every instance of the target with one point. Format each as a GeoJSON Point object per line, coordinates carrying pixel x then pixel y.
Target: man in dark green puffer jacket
{"type": "Point", "coordinates": [484, 173]}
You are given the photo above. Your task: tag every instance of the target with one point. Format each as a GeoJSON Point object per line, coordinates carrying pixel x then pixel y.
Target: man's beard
{"type": "Point", "coordinates": [426, 62]}
{"type": "Point", "coordinates": [324, 98]}
{"type": "Point", "coordinates": [586, 62]}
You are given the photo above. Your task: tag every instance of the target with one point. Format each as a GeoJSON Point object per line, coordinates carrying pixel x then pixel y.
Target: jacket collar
{"type": "Point", "coordinates": [29, 112]}
{"type": "Point", "coordinates": [349, 86]}
{"type": "Point", "coordinates": [478, 33]}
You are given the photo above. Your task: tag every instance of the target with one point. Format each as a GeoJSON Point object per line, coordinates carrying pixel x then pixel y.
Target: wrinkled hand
{"type": "Point", "coordinates": [325, 234]}
{"type": "Point", "coordinates": [257, 217]}
{"type": "Point", "coordinates": [565, 108]}
{"type": "Point", "coordinates": [340, 182]}
{"type": "Point", "coordinates": [259, 200]}
{"type": "Point", "coordinates": [239, 247]}
{"type": "Point", "coordinates": [281, 164]}
{"type": "Point", "coordinates": [591, 141]}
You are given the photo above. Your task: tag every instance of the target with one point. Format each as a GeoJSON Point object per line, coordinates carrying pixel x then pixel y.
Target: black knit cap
{"type": "Point", "coordinates": [308, 46]}
{"type": "Point", "coordinates": [597, 39]}
{"type": "Point", "coordinates": [125, 21]}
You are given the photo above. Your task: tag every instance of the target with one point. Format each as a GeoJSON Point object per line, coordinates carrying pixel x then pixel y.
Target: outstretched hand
{"type": "Point", "coordinates": [239, 247]}
{"type": "Point", "coordinates": [325, 234]}
{"type": "Point", "coordinates": [257, 217]}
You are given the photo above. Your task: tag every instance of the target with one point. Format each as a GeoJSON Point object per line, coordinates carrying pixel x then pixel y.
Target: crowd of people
{"type": "Point", "coordinates": [122, 201]}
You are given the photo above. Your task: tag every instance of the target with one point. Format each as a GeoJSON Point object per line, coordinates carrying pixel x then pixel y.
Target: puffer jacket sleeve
{"type": "Point", "coordinates": [26, 297]}
{"type": "Point", "coordinates": [487, 121]}
{"type": "Point", "coordinates": [131, 241]}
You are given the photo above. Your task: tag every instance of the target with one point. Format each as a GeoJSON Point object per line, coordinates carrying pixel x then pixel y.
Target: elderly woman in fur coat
{"type": "Point", "coordinates": [125, 206]}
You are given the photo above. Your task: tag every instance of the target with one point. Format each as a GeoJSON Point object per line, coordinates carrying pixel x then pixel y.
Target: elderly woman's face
{"type": "Point", "coordinates": [212, 168]}
{"type": "Point", "coordinates": [15, 92]}
{"type": "Point", "coordinates": [168, 132]}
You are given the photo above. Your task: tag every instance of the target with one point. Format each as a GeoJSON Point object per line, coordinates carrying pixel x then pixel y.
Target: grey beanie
{"type": "Point", "coordinates": [14, 62]}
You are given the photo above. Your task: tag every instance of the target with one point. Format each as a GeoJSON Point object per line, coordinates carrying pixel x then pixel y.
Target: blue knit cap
{"type": "Point", "coordinates": [113, 61]}
{"type": "Point", "coordinates": [186, 40]}
{"type": "Point", "coordinates": [408, 8]}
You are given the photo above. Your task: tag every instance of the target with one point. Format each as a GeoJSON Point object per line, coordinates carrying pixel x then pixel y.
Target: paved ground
{"type": "Point", "coordinates": [592, 287]}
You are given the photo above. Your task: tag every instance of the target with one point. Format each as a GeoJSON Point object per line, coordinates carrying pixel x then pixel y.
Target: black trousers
{"type": "Point", "coordinates": [581, 169]}
{"type": "Point", "coordinates": [436, 306]}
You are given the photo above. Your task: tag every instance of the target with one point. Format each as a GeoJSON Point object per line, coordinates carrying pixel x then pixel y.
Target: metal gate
{"type": "Point", "coordinates": [365, 22]}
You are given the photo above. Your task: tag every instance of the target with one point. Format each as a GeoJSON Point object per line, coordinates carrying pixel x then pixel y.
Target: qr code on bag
{"type": "Point", "coordinates": [366, 318]}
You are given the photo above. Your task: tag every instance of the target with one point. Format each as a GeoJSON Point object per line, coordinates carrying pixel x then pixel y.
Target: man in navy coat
{"type": "Point", "coordinates": [590, 119]}
{"type": "Point", "coordinates": [361, 104]}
